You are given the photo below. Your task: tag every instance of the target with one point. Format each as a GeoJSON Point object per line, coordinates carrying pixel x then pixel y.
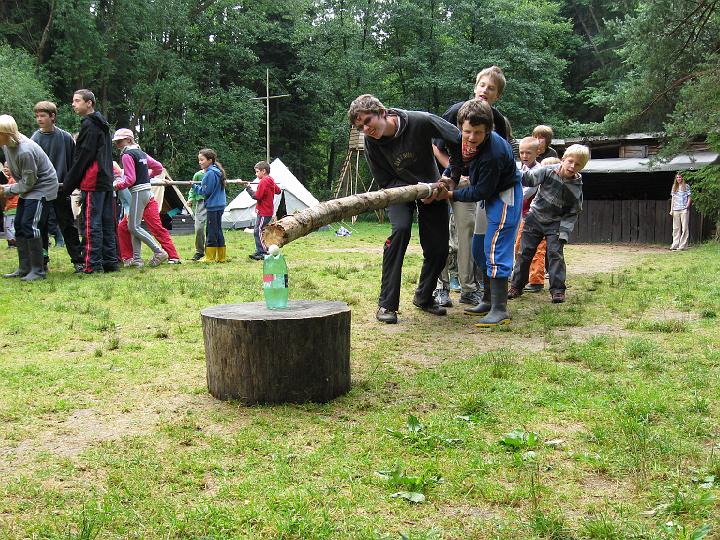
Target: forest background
{"type": "Point", "coordinates": [183, 73]}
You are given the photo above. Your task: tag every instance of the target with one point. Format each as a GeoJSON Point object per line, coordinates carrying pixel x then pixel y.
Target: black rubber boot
{"type": "Point", "coordinates": [37, 260]}
{"type": "Point", "coordinates": [483, 307]}
{"type": "Point", "coordinates": [498, 312]}
{"type": "Point", "coordinates": [23, 259]}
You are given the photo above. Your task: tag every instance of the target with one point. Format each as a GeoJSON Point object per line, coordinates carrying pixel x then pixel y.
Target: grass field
{"type": "Point", "coordinates": [593, 419]}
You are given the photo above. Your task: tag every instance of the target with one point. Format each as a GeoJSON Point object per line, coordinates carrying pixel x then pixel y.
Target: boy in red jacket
{"type": "Point", "coordinates": [265, 207]}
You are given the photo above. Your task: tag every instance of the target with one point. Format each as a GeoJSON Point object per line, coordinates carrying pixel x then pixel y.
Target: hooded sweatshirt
{"type": "Point", "coordinates": [32, 170]}
{"type": "Point", "coordinates": [406, 158]}
{"type": "Point", "coordinates": [60, 147]}
{"type": "Point", "coordinates": [559, 201]}
{"type": "Point", "coordinates": [92, 166]}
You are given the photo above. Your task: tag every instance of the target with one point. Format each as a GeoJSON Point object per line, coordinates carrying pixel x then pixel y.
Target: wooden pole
{"type": "Point", "coordinates": [304, 222]}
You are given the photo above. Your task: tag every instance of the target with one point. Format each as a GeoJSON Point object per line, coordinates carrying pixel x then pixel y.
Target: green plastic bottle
{"type": "Point", "coordinates": [275, 279]}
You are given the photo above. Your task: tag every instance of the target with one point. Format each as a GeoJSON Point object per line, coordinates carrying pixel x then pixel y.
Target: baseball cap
{"type": "Point", "coordinates": [123, 133]}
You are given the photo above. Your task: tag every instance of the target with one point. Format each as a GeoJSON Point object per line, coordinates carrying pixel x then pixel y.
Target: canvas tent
{"type": "Point", "coordinates": [240, 213]}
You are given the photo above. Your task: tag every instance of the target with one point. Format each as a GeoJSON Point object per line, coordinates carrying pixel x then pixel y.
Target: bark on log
{"type": "Point", "coordinates": [297, 354]}
{"type": "Point", "coordinates": [304, 222]}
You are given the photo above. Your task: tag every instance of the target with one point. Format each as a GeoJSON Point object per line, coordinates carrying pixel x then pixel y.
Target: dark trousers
{"type": "Point", "coordinates": [532, 235]}
{"type": "Point", "coordinates": [260, 223]}
{"type": "Point", "coordinates": [433, 223]}
{"type": "Point", "coordinates": [98, 229]}
{"type": "Point", "coordinates": [65, 223]}
{"type": "Point", "coordinates": [214, 233]}
{"type": "Point", "coordinates": [31, 217]}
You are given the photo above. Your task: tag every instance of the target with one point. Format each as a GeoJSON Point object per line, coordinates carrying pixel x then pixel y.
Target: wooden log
{"type": "Point", "coordinates": [297, 354]}
{"type": "Point", "coordinates": [304, 222]}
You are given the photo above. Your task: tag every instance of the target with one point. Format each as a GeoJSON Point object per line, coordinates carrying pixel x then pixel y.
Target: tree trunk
{"type": "Point", "coordinates": [304, 222]}
{"type": "Point", "coordinates": [296, 354]}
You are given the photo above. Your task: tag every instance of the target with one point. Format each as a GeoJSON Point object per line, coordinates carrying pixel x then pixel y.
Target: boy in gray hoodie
{"type": "Point", "coordinates": [37, 186]}
{"type": "Point", "coordinates": [553, 214]}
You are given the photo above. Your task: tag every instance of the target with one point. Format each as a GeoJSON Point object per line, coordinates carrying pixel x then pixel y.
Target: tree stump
{"type": "Point", "coordinates": [297, 354]}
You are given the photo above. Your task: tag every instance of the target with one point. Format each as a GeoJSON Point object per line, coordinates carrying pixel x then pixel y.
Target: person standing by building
{"type": "Point", "coordinates": [92, 173]}
{"type": "Point", "coordinates": [58, 144]}
{"type": "Point", "coordinates": [680, 201]}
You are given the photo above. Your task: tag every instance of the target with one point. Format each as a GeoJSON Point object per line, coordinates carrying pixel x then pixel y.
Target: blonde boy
{"type": "Point", "coordinates": [553, 214]}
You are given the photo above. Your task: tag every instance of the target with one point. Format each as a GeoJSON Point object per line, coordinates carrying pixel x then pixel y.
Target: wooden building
{"type": "Point", "coordinates": [627, 194]}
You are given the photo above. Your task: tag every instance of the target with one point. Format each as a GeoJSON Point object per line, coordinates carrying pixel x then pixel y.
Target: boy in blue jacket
{"type": "Point", "coordinates": [494, 178]}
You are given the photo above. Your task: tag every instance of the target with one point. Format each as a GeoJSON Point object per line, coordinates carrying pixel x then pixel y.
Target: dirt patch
{"type": "Point", "coordinates": [604, 258]}
{"type": "Point", "coordinates": [584, 333]}
{"type": "Point", "coordinates": [87, 427]}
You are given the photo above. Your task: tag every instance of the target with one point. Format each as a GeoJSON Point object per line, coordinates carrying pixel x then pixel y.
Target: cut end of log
{"type": "Point", "coordinates": [274, 234]}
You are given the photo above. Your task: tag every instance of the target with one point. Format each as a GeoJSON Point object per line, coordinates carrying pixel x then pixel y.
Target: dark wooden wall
{"type": "Point", "coordinates": [632, 221]}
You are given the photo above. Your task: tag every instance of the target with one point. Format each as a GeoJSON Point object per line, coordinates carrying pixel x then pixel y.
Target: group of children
{"type": "Point", "coordinates": [42, 172]}
{"type": "Point", "coordinates": [473, 142]}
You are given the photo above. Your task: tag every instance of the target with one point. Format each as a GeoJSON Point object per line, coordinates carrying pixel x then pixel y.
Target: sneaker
{"type": "Point", "coordinates": [386, 315]}
{"type": "Point", "coordinates": [442, 297]}
{"type": "Point", "coordinates": [473, 298]}
{"type": "Point", "coordinates": [127, 263]}
{"type": "Point", "coordinates": [158, 258]}
{"type": "Point", "coordinates": [136, 264]}
{"type": "Point", "coordinates": [257, 256]}
{"type": "Point", "coordinates": [558, 297]}
{"type": "Point", "coordinates": [197, 257]}
{"type": "Point", "coordinates": [109, 268]}
{"type": "Point", "coordinates": [514, 293]}
{"type": "Point", "coordinates": [454, 284]}
{"type": "Point", "coordinates": [79, 268]}
{"type": "Point", "coordinates": [174, 261]}
{"type": "Point", "coordinates": [534, 287]}
{"type": "Point", "coordinates": [431, 308]}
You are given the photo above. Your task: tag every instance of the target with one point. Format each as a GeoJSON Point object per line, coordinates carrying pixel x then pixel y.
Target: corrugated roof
{"type": "Point", "coordinates": [643, 165]}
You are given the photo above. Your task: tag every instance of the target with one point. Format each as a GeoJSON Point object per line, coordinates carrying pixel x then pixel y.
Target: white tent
{"type": "Point", "coordinates": [240, 213]}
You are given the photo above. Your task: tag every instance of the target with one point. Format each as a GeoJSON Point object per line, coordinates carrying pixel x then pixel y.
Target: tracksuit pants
{"type": "Point", "coordinates": [98, 229]}
{"type": "Point", "coordinates": [260, 223]}
{"type": "Point", "coordinates": [533, 233]}
{"type": "Point", "coordinates": [537, 266]}
{"type": "Point", "coordinates": [151, 217]}
{"type": "Point", "coordinates": [31, 217]}
{"type": "Point", "coordinates": [502, 225]}
{"type": "Point", "coordinates": [433, 224]}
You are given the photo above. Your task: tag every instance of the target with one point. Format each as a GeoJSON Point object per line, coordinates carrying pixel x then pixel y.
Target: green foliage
{"type": "Point", "coordinates": [22, 87]}
{"type": "Point", "coordinates": [417, 436]}
{"type": "Point", "coordinates": [706, 185]}
{"type": "Point", "coordinates": [519, 439]}
{"type": "Point", "coordinates": [413, 488]}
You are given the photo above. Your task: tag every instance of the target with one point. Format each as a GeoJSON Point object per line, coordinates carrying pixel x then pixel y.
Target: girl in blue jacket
{"type": "Point", "coordinates": [213, 189]}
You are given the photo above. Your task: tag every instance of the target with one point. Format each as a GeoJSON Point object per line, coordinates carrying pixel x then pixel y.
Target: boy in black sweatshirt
{"type": "Point", "coordinates": [92, 173]}
{"type": "Point", "coordinates": [398, 149]}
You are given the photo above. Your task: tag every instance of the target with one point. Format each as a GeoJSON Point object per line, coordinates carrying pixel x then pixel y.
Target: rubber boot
{"type": "Point", "coordinates": [210, 254]}
{"type": "Point", "coordinates": [23, 259]}
{"type": "Point", "coordinates": [483, 307]}
{"type": "Point", "coordinates": [498, 299]}
{"type": "Point", "coordinates": [37, 260]}
{"type": "Point", "coordinates": [220, 255]}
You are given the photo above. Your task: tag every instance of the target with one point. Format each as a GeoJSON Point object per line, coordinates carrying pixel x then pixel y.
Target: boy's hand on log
{"type": "Point", "coordinates": [442, 192]}
{"type": "Point", "coordinates": [433, 193]}
{"type": "Point", "coordinates": [448, 182]}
